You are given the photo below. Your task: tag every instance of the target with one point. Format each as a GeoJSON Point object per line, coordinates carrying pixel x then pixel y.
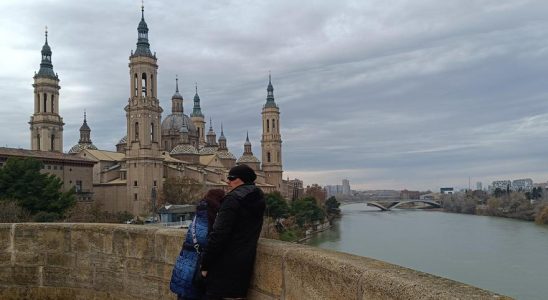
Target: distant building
{"type": "Point", "coordinates": [479, 186]}
{"type": "Point", "coordinates": [333, 190]}
{"type": "Point", "coordinates": [447, 190]}
{"type": "Point", "coordinates": [522, 185]}
{"type": "Point", "coordinates": [295, 189]}
{"type": "Point", "coordinates": [501, 184]}
{"type": "Point", "coordinates": [346, 187]}
{"type": "Point", "coordinates": [75, 172]}
{"type": "Point", "coordinates": [410, 195]}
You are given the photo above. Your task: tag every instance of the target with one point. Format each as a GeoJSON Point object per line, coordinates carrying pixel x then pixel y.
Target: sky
{"type": "Point", "coordinates": [391, 94]}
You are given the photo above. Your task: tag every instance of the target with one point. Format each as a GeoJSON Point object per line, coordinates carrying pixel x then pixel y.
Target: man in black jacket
{"type": "Point", "coordinates": [228, 260]}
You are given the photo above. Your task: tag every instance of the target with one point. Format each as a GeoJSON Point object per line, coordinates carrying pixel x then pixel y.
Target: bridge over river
{"type": "Point", "coordinates": [396, 203]}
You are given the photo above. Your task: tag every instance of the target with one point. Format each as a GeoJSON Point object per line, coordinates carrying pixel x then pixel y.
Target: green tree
{"type": "Point", "coordinates": [22, 182]}
{"type": "Point", "coordinates": [306, 211]}
{"type": "Point", "coordinates": [276, 207]}
{"type": "Point", "coordinates": [332, 206]}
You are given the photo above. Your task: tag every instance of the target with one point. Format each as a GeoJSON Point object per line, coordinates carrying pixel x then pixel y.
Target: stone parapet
{"type": "Point", "coordinates": [107, 261]}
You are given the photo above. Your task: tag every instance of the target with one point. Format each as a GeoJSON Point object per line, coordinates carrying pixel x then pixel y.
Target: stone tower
{"type": "Point", "coordinates": [144, 162]}
{"type": "Point", "coordinates": [198, 118]}
{"type": "Point", "coordinates": [271, 142]}
{"type": "Point", "coordinates": [46, 126]}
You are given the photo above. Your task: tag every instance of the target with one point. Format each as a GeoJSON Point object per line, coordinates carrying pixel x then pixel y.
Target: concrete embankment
{"type": "Point", "coordinates": [103, 261]}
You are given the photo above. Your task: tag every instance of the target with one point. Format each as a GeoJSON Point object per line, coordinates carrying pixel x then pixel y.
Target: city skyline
{"type": "Point", "coordinates": [387, 94]}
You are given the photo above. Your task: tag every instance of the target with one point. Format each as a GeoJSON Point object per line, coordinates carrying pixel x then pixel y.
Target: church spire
{"type": "Point", "coordinates": [85, 132]}
{"type": "Point", "coordinates": [143, 47]}
{"type": "Point", "coordinates": [270, 93]}
{"type": "Point", "coordinates": [197, 110]}
{"type": "Point", "coordinates": [177, 99]}
{"type": "Point", "coordinates": [46, 67]}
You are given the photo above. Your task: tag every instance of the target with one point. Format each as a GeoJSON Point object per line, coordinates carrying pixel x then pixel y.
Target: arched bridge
{"type": "Point", "coordinates": [394, 204]}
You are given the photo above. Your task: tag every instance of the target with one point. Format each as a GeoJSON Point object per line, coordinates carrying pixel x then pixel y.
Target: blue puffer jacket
{"type": "Point", "coordinates": [183, 271]}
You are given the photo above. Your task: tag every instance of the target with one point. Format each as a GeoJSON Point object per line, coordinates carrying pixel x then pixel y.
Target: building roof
{"type": "Point", "coordinates": [104, 155]}
{"type": "Point", "coordinates": [44, 155]}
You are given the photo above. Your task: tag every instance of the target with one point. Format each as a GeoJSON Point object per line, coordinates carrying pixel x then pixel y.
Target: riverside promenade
{"type": "Point", "coordinates": [108, 261]}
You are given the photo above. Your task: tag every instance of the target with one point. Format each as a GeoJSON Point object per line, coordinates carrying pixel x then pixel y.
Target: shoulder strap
{"type": "Point", "coordinates": [194, 238]}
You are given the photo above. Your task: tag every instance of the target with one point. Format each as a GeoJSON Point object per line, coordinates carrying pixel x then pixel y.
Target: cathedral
{"type": "Point", "coordinates": [153, 148]}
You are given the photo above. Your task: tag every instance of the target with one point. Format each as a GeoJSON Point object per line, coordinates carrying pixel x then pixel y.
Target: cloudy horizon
{"type": "Point", "coordinates": [389, 94]}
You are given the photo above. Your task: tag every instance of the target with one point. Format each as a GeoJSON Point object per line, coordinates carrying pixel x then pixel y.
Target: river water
{"type": "Point", "coordinates": [506, 256]}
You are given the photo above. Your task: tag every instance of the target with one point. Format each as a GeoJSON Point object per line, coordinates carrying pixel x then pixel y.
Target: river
{"type": "Point", "coordinates": [506, 256]}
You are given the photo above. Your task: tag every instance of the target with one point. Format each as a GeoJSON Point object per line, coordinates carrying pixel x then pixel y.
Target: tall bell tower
{"type": "Point", "coordinates": [46, 126]}
{"type": "Point", "coordinates": [271, 142]}
{"type": "Point", "coordinates": [144, 161]}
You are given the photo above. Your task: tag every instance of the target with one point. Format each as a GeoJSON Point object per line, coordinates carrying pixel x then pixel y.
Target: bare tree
{"type": "Point", "coordinates": [181, 190]}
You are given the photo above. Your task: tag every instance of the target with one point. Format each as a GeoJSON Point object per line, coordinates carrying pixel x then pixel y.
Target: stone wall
{"type": "Point", "coordinates": [104, 261]}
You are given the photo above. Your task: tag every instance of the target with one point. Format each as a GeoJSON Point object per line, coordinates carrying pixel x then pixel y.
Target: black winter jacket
{"type": "Point", "coordinates": [232, 243]}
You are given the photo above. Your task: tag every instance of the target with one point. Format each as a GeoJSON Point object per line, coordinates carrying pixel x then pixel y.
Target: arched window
{"type": "Point", "coordinates": [268, 156]}
{"type": "Point", "coordinates": [278, 157]}
{"type": "Point", "coordinates": [45, 102]}
{"type": "Point", "coordinates": [136, 129]}
{"type": "Point", "coordinates": [198, 132]}
{"type": "Point", "coordinates": [267, 125]}
{"type": "Point", "coordinates": [152, 85]}
{"type": "Point", "coordinates": [52, 97]}
{"type": "Point", "coordinates": [144, 85]}
{"type": "Point", "coordinates": [38, 141]}
{"type": "Point", "coordinates": [165, 146]}
{"type": "Point", "coordinates": [273, 124]}
{"type": "Point", "coordinates": [151, 132]}
{"type": "Point", "coordinates": [135, 84]}
{"type": "Point", "coordinates": [52, 142]}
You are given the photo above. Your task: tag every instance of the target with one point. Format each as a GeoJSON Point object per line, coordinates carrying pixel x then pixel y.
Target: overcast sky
{"type": "Point", "coordinates": [393, 94]}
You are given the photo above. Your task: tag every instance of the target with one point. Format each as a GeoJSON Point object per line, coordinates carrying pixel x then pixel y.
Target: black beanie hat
{"type": "Point", "coordinates": [244, 172]}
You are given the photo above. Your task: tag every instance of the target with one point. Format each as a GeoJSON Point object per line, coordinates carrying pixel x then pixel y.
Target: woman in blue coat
{"type": "Point", "coordinates": [185, 267]}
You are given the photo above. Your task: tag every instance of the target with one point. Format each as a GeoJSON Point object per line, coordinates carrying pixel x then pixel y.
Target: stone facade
{"type": "Point", "coordinates": [100, 261]}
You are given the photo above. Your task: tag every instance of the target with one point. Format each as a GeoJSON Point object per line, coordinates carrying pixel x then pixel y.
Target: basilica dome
{"type": "Point", "coordinates": [174, 122]}
{"type": "Point", "coordinates": [184, 149]}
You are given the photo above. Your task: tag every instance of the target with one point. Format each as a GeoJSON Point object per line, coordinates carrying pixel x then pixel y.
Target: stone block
{"type": "Point", "coordinates": [5, 237]}
{"type": "Point", "coordinates": [20, 275]}
{"type": "Point", "coordinates": [268, 271]}
{"type": "Point", "coordinates": [30, 258]}
{"type": "Point", "coordinates": [108, 281]}
{"type": "Point", "coordinates": [88, 239]}
{"type": "Point", "coordinates": [56, 277]}
{"type": "Point", "coordinates": [67, 260]}
{"type": "Point", "coordinates": [312, 273]}
{"type": "Point", "coordinates": [168, 243]}
{"type": "Point", "coordinates": [41, 238]}
{"type": "Point", "coordinates": [141, 242]}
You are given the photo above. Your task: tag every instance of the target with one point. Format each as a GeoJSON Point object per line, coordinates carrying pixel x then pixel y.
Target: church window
{"type": "Point", "coordinates": [268, 156]}
{"type": "Point", "coordinates": [152, 85]}
{"type": "Point", "coordinates": [144, 85]}
{"type": "Point", "coordinates": [52, 142]}
{"type": "Point", "coordinates": [135, 197]}
{"type": "Point", "coordinates": [267, 125]}
{"type": "Point", "coordinates": [45, 102]}
{"type": "Point", "coordinates": [273, 123]}
{"type": "Point", "coordinates": [151, 132]}
{"type": "Point", "coordinates": [136, 131]}
{"type": "Point", "coordinates": [78, 186]}
{"type": "Point", "coordinates": [165, 145]}
{"type": "Point", "coordinates": [155, 183]}
{"type": "Point", "coordinates": [135, 183]}
{"type": "Point", "coordinates": [135, 84]}
{"type": "Point", "coordinates": [52, 104]}
{"type": "Point", "coordinates": [38, 141]}
{"type": "Point", "coordinates": [278, 157]}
